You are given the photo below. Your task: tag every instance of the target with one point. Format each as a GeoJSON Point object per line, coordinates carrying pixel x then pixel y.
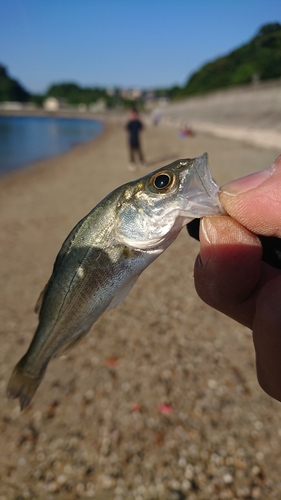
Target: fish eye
{"type": "Point", "coordinates": [163, 180]}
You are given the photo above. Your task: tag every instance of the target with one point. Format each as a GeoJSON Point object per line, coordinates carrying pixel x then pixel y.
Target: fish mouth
{"type": "Point", "coordinates": [200, 191]}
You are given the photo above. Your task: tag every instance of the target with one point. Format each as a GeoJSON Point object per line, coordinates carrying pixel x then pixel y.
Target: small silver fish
{"type": "Point", "coordinates": [105, 253]}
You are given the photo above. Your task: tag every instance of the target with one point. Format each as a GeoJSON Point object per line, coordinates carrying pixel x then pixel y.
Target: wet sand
{"type": "Point", "coordinates": [95, 428]}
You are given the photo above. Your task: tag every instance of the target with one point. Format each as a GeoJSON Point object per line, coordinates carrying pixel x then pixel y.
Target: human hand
{"type": "Point", "coordinates": [230, 274]}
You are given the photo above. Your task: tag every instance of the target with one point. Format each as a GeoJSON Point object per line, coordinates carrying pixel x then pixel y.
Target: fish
{"type": "Point", "coordinates": [103, 256]}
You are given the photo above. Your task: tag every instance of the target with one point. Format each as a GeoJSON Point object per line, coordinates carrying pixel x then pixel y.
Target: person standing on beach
{"type": "Point", "coordinates": [134, 127]}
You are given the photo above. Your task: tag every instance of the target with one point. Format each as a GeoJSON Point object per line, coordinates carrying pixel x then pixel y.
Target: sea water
{"type": "Point", "coordinates": [25, 139]}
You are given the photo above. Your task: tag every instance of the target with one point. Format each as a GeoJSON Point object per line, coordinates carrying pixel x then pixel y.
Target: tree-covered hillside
{"type": "Point", "coordinates": [10, 89]}
{"type": "Point", "coordinates": [260, 59]}
{"type": "Point", "coordinates": [74, 94]}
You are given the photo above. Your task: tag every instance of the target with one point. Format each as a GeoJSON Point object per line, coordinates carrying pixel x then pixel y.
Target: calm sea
{"type": "Point", "coordinates": [26, 139]}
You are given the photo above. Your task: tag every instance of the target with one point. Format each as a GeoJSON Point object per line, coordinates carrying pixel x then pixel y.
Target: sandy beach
{"type": "Point", "coordinates": [95, 428]}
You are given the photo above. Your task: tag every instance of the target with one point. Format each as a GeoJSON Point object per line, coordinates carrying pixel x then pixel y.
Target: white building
{"type": "Point", "coordinates": [51, 104]}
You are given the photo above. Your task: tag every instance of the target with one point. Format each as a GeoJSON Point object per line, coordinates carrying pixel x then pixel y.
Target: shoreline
{"type": "Point", "coordinates": [40, 173]}
{"type": "Point", "coordinates": [168, 127]}
{"type": "Point", "coordinates": [248, 114]}
{"type": "Point", "coordinates": [78, 146]}
{"type": "Point", "coordinates": [61, 113]}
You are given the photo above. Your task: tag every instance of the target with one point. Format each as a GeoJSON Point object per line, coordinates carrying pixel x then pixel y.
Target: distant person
{"type": "Point", "coordinates": [134, 127]}
{"type": "Point", "coordinates": [186, 131]}
{"type": "Point", "coordinates": [156, 117]}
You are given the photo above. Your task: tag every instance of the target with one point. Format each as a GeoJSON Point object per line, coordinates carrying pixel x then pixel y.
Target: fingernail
{"type": "Point", "coordinates": [246, 183]}
{"type": "Point", "coordinates": [208, 235]}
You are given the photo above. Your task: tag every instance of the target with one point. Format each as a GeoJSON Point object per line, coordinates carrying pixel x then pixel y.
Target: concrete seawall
{"type": "Point", "coordinates": [251, 114]}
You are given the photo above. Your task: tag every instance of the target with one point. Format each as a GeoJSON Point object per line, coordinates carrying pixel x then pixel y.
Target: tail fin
{"type": "Point", "coordinates": [22, 386]}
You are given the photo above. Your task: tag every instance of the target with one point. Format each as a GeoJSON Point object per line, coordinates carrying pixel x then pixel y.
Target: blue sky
{"type": "Point", "coordinates": [145, 43]}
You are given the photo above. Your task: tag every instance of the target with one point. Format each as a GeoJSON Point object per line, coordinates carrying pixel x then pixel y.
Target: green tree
{"type": "Point", "coordinates": [10, 89]}
{"type": "Point", "coordinates": [73, 94]}
{"type": "Point", "coordinates": [261, 56]}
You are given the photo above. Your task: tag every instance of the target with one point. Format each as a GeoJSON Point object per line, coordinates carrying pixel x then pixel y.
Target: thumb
{"type": "Point", "coordinates": [255, 200]}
